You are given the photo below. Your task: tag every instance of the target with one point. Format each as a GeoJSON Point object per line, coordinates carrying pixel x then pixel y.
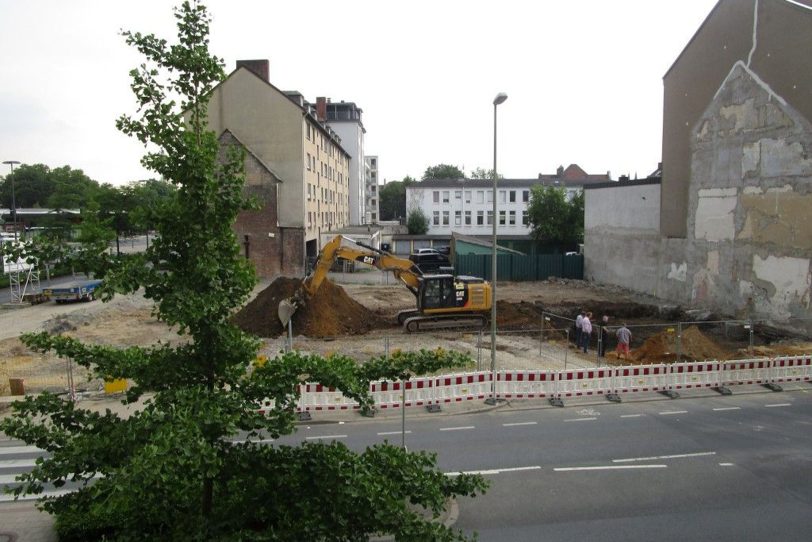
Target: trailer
{"type": "Point", "coordinates": [82, 290]}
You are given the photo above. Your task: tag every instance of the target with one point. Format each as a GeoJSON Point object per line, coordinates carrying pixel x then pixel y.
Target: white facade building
{"type": "Point", "coordinates": [371, 193]}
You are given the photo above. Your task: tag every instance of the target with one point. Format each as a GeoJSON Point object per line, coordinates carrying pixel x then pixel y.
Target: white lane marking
{"type": "Point", "coordinates": [516, 424]}
{"type": "Point", "coordinates": [4, 450]}
{"type": "Point", "coordinates": [778, 405]}
{"type": "Point", "coordinates": [325, 437]}
{"type": "Point", "coordinates": [669, 412]}
{"type": "Point", "coordinates": [611, 467]}
{"type": "Point", "coordinates": [55, 493]}
{"type": "Point", "coordinates": [261, 441]}
{"type": "Point", "coordinates": [656, 457]}
{"type": "Point", "coordinates": [17, 463]}
{"type": "Point", "coordinates": [631, 415]}
{"type": "Point", "coordinates": [494, 471]}
{"type": "Point", "coordinates": [727, 408]}
{"type": "Point", "coordinates": [463, 428]}
{"type": "Point", "coordinates": [725, 464]}
{"type": "Point", "coordinates": [394, 433]}
{"type": "Point", "coordinates": [10, 479]}
{"type": "Point", "coordinates": [581, 420]}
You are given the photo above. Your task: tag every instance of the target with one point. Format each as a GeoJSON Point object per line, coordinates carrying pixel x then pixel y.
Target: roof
{"type": "Point", "coordinates": [501, 183]}
{"type": "Point", "coordinates": [483, 242]}
{"type": "Point", "coordinates": [621, 184]}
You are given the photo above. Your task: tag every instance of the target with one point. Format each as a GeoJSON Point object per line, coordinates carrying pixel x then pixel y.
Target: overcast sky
{"type": "Point", "coordinates": [584, 78]}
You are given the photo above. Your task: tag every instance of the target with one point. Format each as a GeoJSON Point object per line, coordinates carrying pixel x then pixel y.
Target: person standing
{"type": "Point", "coordinates": [604, 336]}
{"type": "Point", "coordinates": [624, 338]}
{"type": "Point", "coordinates": [586, 331]}
{"type": "Point", "coordinates": [578, 325]}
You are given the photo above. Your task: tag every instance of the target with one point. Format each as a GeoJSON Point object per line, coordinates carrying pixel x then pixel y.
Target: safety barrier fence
{"type": "Point", "coordinates": [612, 382]}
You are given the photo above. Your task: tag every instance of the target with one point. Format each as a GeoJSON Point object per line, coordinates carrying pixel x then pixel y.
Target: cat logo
{"type": "Point", "coordinates": [369, 260]}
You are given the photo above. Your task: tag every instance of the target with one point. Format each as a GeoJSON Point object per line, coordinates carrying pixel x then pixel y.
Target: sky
{"type": "Point", "coordinates": [583, 77]}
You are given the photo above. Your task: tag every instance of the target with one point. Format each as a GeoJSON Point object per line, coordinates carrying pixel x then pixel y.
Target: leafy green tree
{"type": "Point", "coordinates": [32, 186]}
{"type": "Point", "coordinates": [553, 218]}
{"type": "Point", "coordinates": [417, 222]}
{"type": "Point", "coordinates": [392, 201]}
{"type": "Point", "coordinates": [481, 173]}
{"type": "Point", "coordinates": [443, 171]}
{"type": "Point", "coordinates": [172, 470]}
{"type": "Point", "coordinates": [72, 189]}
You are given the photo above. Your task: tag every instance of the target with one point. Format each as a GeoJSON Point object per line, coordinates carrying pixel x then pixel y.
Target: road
{"type": "Point", "coordinates": [700, 468]}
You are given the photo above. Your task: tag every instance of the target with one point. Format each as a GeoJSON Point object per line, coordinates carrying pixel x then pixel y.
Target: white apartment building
{"type": "Point", "coordinates": [371, 189]}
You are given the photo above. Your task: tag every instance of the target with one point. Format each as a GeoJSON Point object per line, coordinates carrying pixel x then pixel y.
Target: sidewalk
{"type": "Point", "coordinates": [22, 522]}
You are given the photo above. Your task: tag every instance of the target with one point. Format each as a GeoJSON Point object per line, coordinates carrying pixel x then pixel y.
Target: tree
{"type": "Point", "coordinates": [392, 201]}
{"type": "Point", "coordinates": [553, 218]}
{"type": "Point", "coordinates": [417, 222]}
{"type": "Point", "coordinates": [172, 470]}
{"type": "Point", "coordinates": [443, 171]}
{"type": "Point", "coordinates": [480, 173]}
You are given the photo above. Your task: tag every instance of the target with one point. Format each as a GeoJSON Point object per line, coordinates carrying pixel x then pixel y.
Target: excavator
{"type": "Point", "coordinates": [443, 300]}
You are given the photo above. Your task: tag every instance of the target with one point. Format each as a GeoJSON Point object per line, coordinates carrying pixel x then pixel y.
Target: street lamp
{"type": "Point", "coordinates": [500, 98]}
{"type": "Point", "coordinates": [13, 198]}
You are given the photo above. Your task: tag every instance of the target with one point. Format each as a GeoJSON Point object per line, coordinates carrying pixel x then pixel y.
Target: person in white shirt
{"type": "Point", "coordinates": [586, 331]}
{"type": "Point", "coordinates": [578, 321]}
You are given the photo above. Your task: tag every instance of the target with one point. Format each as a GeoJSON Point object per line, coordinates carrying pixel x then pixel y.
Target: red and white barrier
{"type": "Point", "coordinates": [703, 374]}
{"type": "Point", "coordinates": [387, 394]}
{"type": "Point", "coordinates": [578, 382]}
{"type": "Point", "coordinates": [318, 397]}
{"type": "Point", "coordinates": [525, 384]}
{"type": "Point", "coordinates": [641, 378]}
{"type": "Point", "coordinates": [792, 369]}
{"type": "Point", "coordinates": [463, 387]}
{"type": "Point", "coordinates": [753, 371]}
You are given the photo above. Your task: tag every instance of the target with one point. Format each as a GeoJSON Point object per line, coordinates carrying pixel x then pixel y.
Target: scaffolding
{"type": "Point", "coordinates": [23, 280]}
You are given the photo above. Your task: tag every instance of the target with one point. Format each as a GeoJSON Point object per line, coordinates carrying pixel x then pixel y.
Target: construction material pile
{"type": "Point", "coordinates": [694, 346]}
{"type": "Point", "coordinates": [330, 312]}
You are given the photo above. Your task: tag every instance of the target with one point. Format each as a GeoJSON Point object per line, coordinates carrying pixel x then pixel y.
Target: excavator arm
{"type": "Point", "coordinates": [347, 249]}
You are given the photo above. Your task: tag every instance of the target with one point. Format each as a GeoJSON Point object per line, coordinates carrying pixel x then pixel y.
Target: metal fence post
{"type": "Point", "coordinates": [386, 347]}
{"type": "Point", "coordinates": [679, 342]}
{"type": "Point", "coordinates": [567, 349]}
{"type": "Point", "coordinates": [541, 337]}
{"type": "Point", "coordinates": [750, 325]}
{"type": "Point", "coordinates": [479, 351]}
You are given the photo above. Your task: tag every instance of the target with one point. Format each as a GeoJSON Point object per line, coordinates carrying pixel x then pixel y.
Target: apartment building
{"type": "Point", "coordinates": [465, 206]}
{"type": "Point", "coordinates": [310, 167]}
{"type": "Point", "coordinates": [371, 193]}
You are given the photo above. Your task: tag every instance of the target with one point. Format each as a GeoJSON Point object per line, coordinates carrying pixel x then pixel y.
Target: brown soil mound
{"type": "Point", "coordinates": [330, 312]}
{"type": "Point", "coordinates": [522, 315]}
{"type": "Point", "coordinates": [695, 346]}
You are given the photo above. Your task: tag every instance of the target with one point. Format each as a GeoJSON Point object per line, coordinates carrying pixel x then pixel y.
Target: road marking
{"type": "Point", "coordinates": [20, 450]}
{"type": "Point", "coordinates": [727, 408]}
{"type": "Point", "coordinates": [778, 405]}
{"type": "Point", "coordinates": [725, 464]}
{"type": "Point", "coordinates": [261, 441]}
{"type": "Point", "coordinates": [494, 471]}
{"type": "Point", "coordinates": [15, 463]}
{"type": "Point", "coordinates": [55, 493]}
{"type": "Point", "coordinates": [669, 412]}
{"type": "Point", "coordinates": [394, 433]}
{"type": "Point", "coordinates": [515, 424]}
{"type": "Point", "coordinates": [326, 437]}
{"type": "Point", "coordinates": [463, 428]}
{"type": "Point", "coordinates": [631, 415]}
{"type": "Point", "coordinates": [611, 467]}
{"type": "Point", "coordinates": [581, 420]}
{"type": "Point", "coordinates": [10, 479]}
{"type": "Point", "coordinates": [674, 456]}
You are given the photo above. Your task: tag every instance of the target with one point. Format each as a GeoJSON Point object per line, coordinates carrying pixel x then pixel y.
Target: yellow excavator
{"type": "Point", "coordinates": [443, 300]}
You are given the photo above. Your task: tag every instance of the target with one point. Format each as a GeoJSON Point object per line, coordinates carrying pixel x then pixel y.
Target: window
{"type": "Point", "coordinates": [480, 196]}
{"type": "Point", "coordinates": [445, 196]}
{"type": "Point", "coordinates": [512, 218]}
{"type": "Point", "coordinates": [502, 196]}
{"type": "Point", "coordinates": [308, 159]}
{"type": "Point", "coordinates": [436, 196]}
{"type": "Point", "coordinates": [512, 196]}
{"type": "Point", "coordinates": [490, 196]}
{"type": "Point", "coordinates": [436, 220]}
{"type": "Point", "coordinates": [467, 196]}
{"type": "Point", "coordinates": [457, 218]}
{"type": "Point", "coordinates": [467, 218]}
{"type": "Point", "coordinates": [480, 218]}
{"type": "Point", "coordinates": [309, 128]}
{"type": "Point", "coordinates": [525, 195]}
{"type": "Point", "coordinates": [490, 218]}
{"type": "Point", "coordinates": [458, 194]}
{"type": "Point", "coordinates": [501, 218]}
{"type": "Point", "coordinates": [446, 215]}
{"type": "Point", "coordinates": [525, 218]}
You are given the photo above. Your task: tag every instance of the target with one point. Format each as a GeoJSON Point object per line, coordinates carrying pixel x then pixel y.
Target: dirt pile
{"type": "Point", "coordinates": [522, 315]}
{"type": "Point", "coordinates": [694, 346]}
{"type": "Point", "coordinates": [330, 312]}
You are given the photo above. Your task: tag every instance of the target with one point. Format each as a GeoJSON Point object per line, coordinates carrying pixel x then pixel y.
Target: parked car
{"type": "Point", "coordinates": [430, 262]}
{"type": "Point", "coordinates": [427, 251]}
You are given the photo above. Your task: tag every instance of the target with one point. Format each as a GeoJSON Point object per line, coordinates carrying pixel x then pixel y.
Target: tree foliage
{"type": "Point", "coordinates": [481, 173]}
{"type": "Point", "coordinates": [172, 469]}
{"type": "Point", "coordinates": [554, 218]}
{"type": "Point", "coordinates": [417, 222]}
{"type": "Point", "coordinates": [443, 171]}
{"type": "Point", "coordinates": [392, 201]}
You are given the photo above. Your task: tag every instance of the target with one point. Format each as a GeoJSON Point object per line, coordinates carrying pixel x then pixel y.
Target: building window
{"type": "Point", "coordinates": [480, 196]}
{"type": "Point", "coordinates": [436, 196]}
{"type": "Point", "coordinates": [512, 218]}
{"type": "Point", "coordinates": [480, 218]}
{"type": "Point", "coordinates": [512, 196]}
{"type": "Point", "coordinates": [308, 161]}
{"type": "Point", "coordinates": [501, 218]}
{"type": "Point", "coordinates": [445, 196]}
{"type": "Point", "coordinates": [490, 196]}
{"type": "Point", "coordinates": [467, 218]}
{"type": "Point", "coordinates": [436, 221]}
{"type": "Point", "coordinates": [525, 195]}
{"type": "Point", "coordinates": [446, 215]}
{"type": "Point", "coordinates": [457, 218]}
{"type": "Point", "coordinates": [467, 196]}
{"type": "Point", "coordinates": [525, 218]}
{"type": "Point", "coordinates": [490, 217]}
{"type": "Point", "coordinates": [502, 196]}
{"type": "Point", "coordinates": [458, 194]}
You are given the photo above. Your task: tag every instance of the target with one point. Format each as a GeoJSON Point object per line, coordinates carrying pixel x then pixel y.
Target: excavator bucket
{"type": "Point", "coordinates": [286, 309]}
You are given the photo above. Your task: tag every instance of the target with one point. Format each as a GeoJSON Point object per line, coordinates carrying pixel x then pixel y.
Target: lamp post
{"type": "Point", "coordinates": [13, 198]}
{"type": "Point", "coordinates": [500, 98]}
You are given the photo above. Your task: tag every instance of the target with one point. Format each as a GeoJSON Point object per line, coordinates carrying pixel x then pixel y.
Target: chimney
{"type": "Point", "coordinates": [321, 108]}
{"type": "Point", "coordinates": [560, 171]}
{"type": "Point", "coordinates": [259, 67]}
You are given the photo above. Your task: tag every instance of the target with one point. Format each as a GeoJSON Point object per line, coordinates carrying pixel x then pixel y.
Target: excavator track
{"type": "Point", "coordinates": [449, 321]}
